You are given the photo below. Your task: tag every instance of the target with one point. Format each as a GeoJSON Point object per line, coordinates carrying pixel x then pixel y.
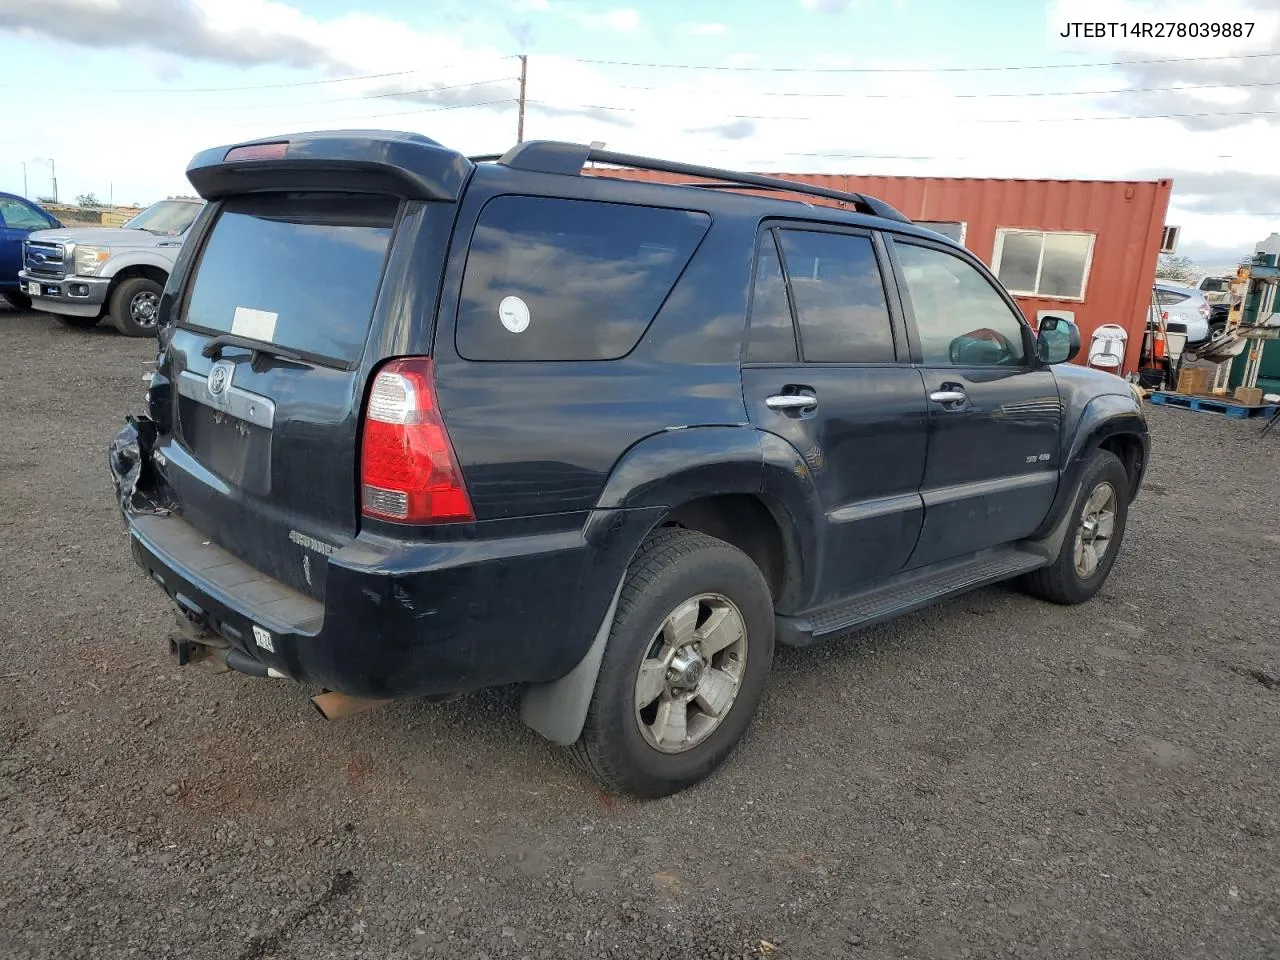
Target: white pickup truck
{"type": "Point", "coordinates": [81, 274]}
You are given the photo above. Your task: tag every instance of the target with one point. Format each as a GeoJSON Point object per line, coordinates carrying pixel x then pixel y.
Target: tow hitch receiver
{"type": "Point", "coordinates": [184, 651]}
{"type": "Point", "coordinates": [190, 642]}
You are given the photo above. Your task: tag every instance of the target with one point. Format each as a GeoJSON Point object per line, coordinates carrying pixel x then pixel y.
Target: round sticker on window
{"type": "Point", "coordinates": [514, 314]}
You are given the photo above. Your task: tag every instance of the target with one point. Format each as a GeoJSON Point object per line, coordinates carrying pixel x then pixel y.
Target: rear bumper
{"type": "Point", "coordinates": [399, 618]}
{"type": "Point", "coordinates": [393, 624]}
{"type": "Point", "coordinates": [73, 296]}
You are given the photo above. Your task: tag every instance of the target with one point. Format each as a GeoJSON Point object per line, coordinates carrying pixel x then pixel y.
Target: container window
{"type": "Point", "coordinates": [960, 317]}
{"type": "Point", "coordinates": [551, 279]}
{"type": "Point", "coordinates": [773, 338]}
{"type": "Point", "coordinates": [839, 296]}
{"type": "Point", "coordinates": [1039, 263]}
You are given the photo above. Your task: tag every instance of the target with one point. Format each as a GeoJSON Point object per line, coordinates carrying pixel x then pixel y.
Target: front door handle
{"type": "Point", "coordinates": [791, 401]}
{"type": "Point", "coordinates": [948, 396]}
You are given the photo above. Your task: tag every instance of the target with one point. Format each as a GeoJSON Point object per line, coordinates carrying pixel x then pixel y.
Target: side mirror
{"type": "Point", "coordinates": [1057, 340]}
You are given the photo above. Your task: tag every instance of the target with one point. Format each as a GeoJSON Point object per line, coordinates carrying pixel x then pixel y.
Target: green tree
{"type": "Point", "coordinates": [87, 200]}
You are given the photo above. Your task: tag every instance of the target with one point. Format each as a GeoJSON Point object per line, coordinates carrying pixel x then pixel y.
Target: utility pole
{"type": "Point", "coordinates": [25, 192]}
{"type": "Point", "coordinates": [524, 76]}
{"type": "Point", "coordinates": [53, 173]}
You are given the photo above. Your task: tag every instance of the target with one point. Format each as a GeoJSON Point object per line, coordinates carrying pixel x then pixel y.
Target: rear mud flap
{"type": "Point", "coordinates": [558, 710]}
{"type": "Point", "coordinates": [129, 457]}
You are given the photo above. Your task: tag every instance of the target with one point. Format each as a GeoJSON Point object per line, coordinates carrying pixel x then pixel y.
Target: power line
{"type": "Point", "coordinates": [390, 94]}
{"type": "Point", "coordinates": [981, 96]}
{"type": "Point", "coordinates": [405, 113]}
{"type": "Point", "coordinates": [762, 116]}
{"type": "Point", "coordinates": [366, 116]}
{"type": "Point", "coordinates": [1029, 66]}
{"type": "Point", "coordinates": [264, 86]}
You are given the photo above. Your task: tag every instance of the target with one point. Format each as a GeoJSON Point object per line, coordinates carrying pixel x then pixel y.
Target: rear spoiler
{"type": "Point", "coordinates": [360, 161]}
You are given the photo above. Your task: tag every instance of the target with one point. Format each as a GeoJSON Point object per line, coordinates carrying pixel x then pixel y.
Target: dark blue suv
{"type": "Point", "coordinates": [424, 424]}
{"type": "Point", "coordinates": [18, 217]}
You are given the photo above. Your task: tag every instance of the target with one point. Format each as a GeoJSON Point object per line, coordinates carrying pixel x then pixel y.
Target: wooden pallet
{"type": "Point", "coordinates": [1237, 411]}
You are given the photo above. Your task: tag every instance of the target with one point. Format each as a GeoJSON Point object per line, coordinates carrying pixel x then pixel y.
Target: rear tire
{"type": "Point", "coordinates": [135, 307]}
{"type": "Point", "coordinates": [1093, 539]}
{"type": "Point", "coordinates": [694, 628]}
{"type": "Point", "coordinates": [19, 301]}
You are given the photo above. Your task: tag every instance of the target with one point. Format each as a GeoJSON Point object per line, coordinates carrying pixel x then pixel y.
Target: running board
{"type": "Point", "coordinates": [906, 592]}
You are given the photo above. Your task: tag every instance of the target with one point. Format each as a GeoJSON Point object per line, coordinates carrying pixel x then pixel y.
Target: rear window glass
{"type": "Point", "coordinates": [551, 279]}
{"type": "Point", "coordinates": [1167, 298]}
{"type": "Point", "coordinates": [297, 271]}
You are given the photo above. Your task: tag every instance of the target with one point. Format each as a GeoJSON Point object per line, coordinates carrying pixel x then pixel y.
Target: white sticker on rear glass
{"type": "Point", "coordinates": [255, 324]}
{"type": "Point", "coordinates": [514, 314]}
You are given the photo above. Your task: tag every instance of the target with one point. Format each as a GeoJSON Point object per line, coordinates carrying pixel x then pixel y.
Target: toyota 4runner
{"type": "Point", "coordinates": [424, 424]}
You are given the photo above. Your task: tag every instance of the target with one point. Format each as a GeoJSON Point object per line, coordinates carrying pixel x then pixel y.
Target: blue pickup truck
{"type": "Point", "coordinates": [18, 217]}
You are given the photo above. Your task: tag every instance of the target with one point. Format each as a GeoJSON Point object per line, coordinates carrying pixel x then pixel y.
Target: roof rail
{"type": "Point", "coordinates": [548, 156]}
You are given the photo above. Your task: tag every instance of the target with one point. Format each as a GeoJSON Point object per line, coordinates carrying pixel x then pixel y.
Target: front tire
{"type": "Point", "coordinates": [135, 307]}
{"type": "Point", "coordinates": [1093, 540]}
{"type": "Point", "coordinates": [684, 668]}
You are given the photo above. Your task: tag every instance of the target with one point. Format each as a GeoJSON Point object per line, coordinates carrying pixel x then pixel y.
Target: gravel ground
{"type": "Point", "coordinates": [994, 777]}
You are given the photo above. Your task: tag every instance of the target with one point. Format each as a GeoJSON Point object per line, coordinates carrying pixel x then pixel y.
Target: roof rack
{"type": "Point", "coordinates": [549, 156]}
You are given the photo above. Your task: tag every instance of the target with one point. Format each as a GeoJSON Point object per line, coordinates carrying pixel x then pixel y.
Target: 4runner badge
{"type": "Point", "coordinates": [220, 378]}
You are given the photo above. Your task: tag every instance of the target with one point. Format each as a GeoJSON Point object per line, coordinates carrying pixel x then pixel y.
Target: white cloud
{"type": "Point", "coordinates": [707, 30]}
{"type": "Point", "coordinates": [915, 123]}
{"type": "Point", "coordinates": [826, 6]}
{"type": "Point", "coordinates": [621, 20]}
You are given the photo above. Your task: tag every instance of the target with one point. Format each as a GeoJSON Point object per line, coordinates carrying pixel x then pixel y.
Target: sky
{"type": "Point", "coordinates": [122, 93]}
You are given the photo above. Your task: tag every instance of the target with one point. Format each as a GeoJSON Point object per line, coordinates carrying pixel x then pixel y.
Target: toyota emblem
{"type": "Point", "coordinates": [220, 378]}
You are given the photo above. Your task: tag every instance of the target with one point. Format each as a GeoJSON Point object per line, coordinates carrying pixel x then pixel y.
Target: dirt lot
{"type": "Point", "coordinates": [995, 777]}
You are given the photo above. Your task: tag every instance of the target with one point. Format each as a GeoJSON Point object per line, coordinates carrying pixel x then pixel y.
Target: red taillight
{"type": "Point", "coordinates": [257, 151]}
{"type": "Point", "coordinates": [408, 472]}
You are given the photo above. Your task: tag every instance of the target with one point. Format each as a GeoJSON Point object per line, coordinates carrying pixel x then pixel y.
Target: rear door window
{"type": "Point", "coordinates": [298, 271]}
{"type": "Point", "coordinates": [839, 297]}
{"type": "Point", "coordinates": [553, 279]}
{"type": "Point", "coordinates": [773, 337]}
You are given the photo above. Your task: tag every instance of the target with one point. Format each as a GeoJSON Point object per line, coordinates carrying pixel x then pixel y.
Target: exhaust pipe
{"type": "Point", "coordinates": [335, 706]}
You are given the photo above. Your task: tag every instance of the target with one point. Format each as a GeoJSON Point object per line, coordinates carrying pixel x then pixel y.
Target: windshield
{"type": "Point", "coordinates": [168, 218]}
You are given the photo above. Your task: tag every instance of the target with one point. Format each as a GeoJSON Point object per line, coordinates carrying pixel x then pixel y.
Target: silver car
{"type": "Point", "coordinates": [1186, 305]}
{"type": "Point", "coordinates": [1215, 289]}
{"type": "Point", "coordinates": [79, 274]}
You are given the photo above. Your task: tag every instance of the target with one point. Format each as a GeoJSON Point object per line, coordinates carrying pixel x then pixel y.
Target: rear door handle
{"type": "Point", "coordinates": [791, 401]}
{"type": "Point", "coordinates": [948, 396]}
